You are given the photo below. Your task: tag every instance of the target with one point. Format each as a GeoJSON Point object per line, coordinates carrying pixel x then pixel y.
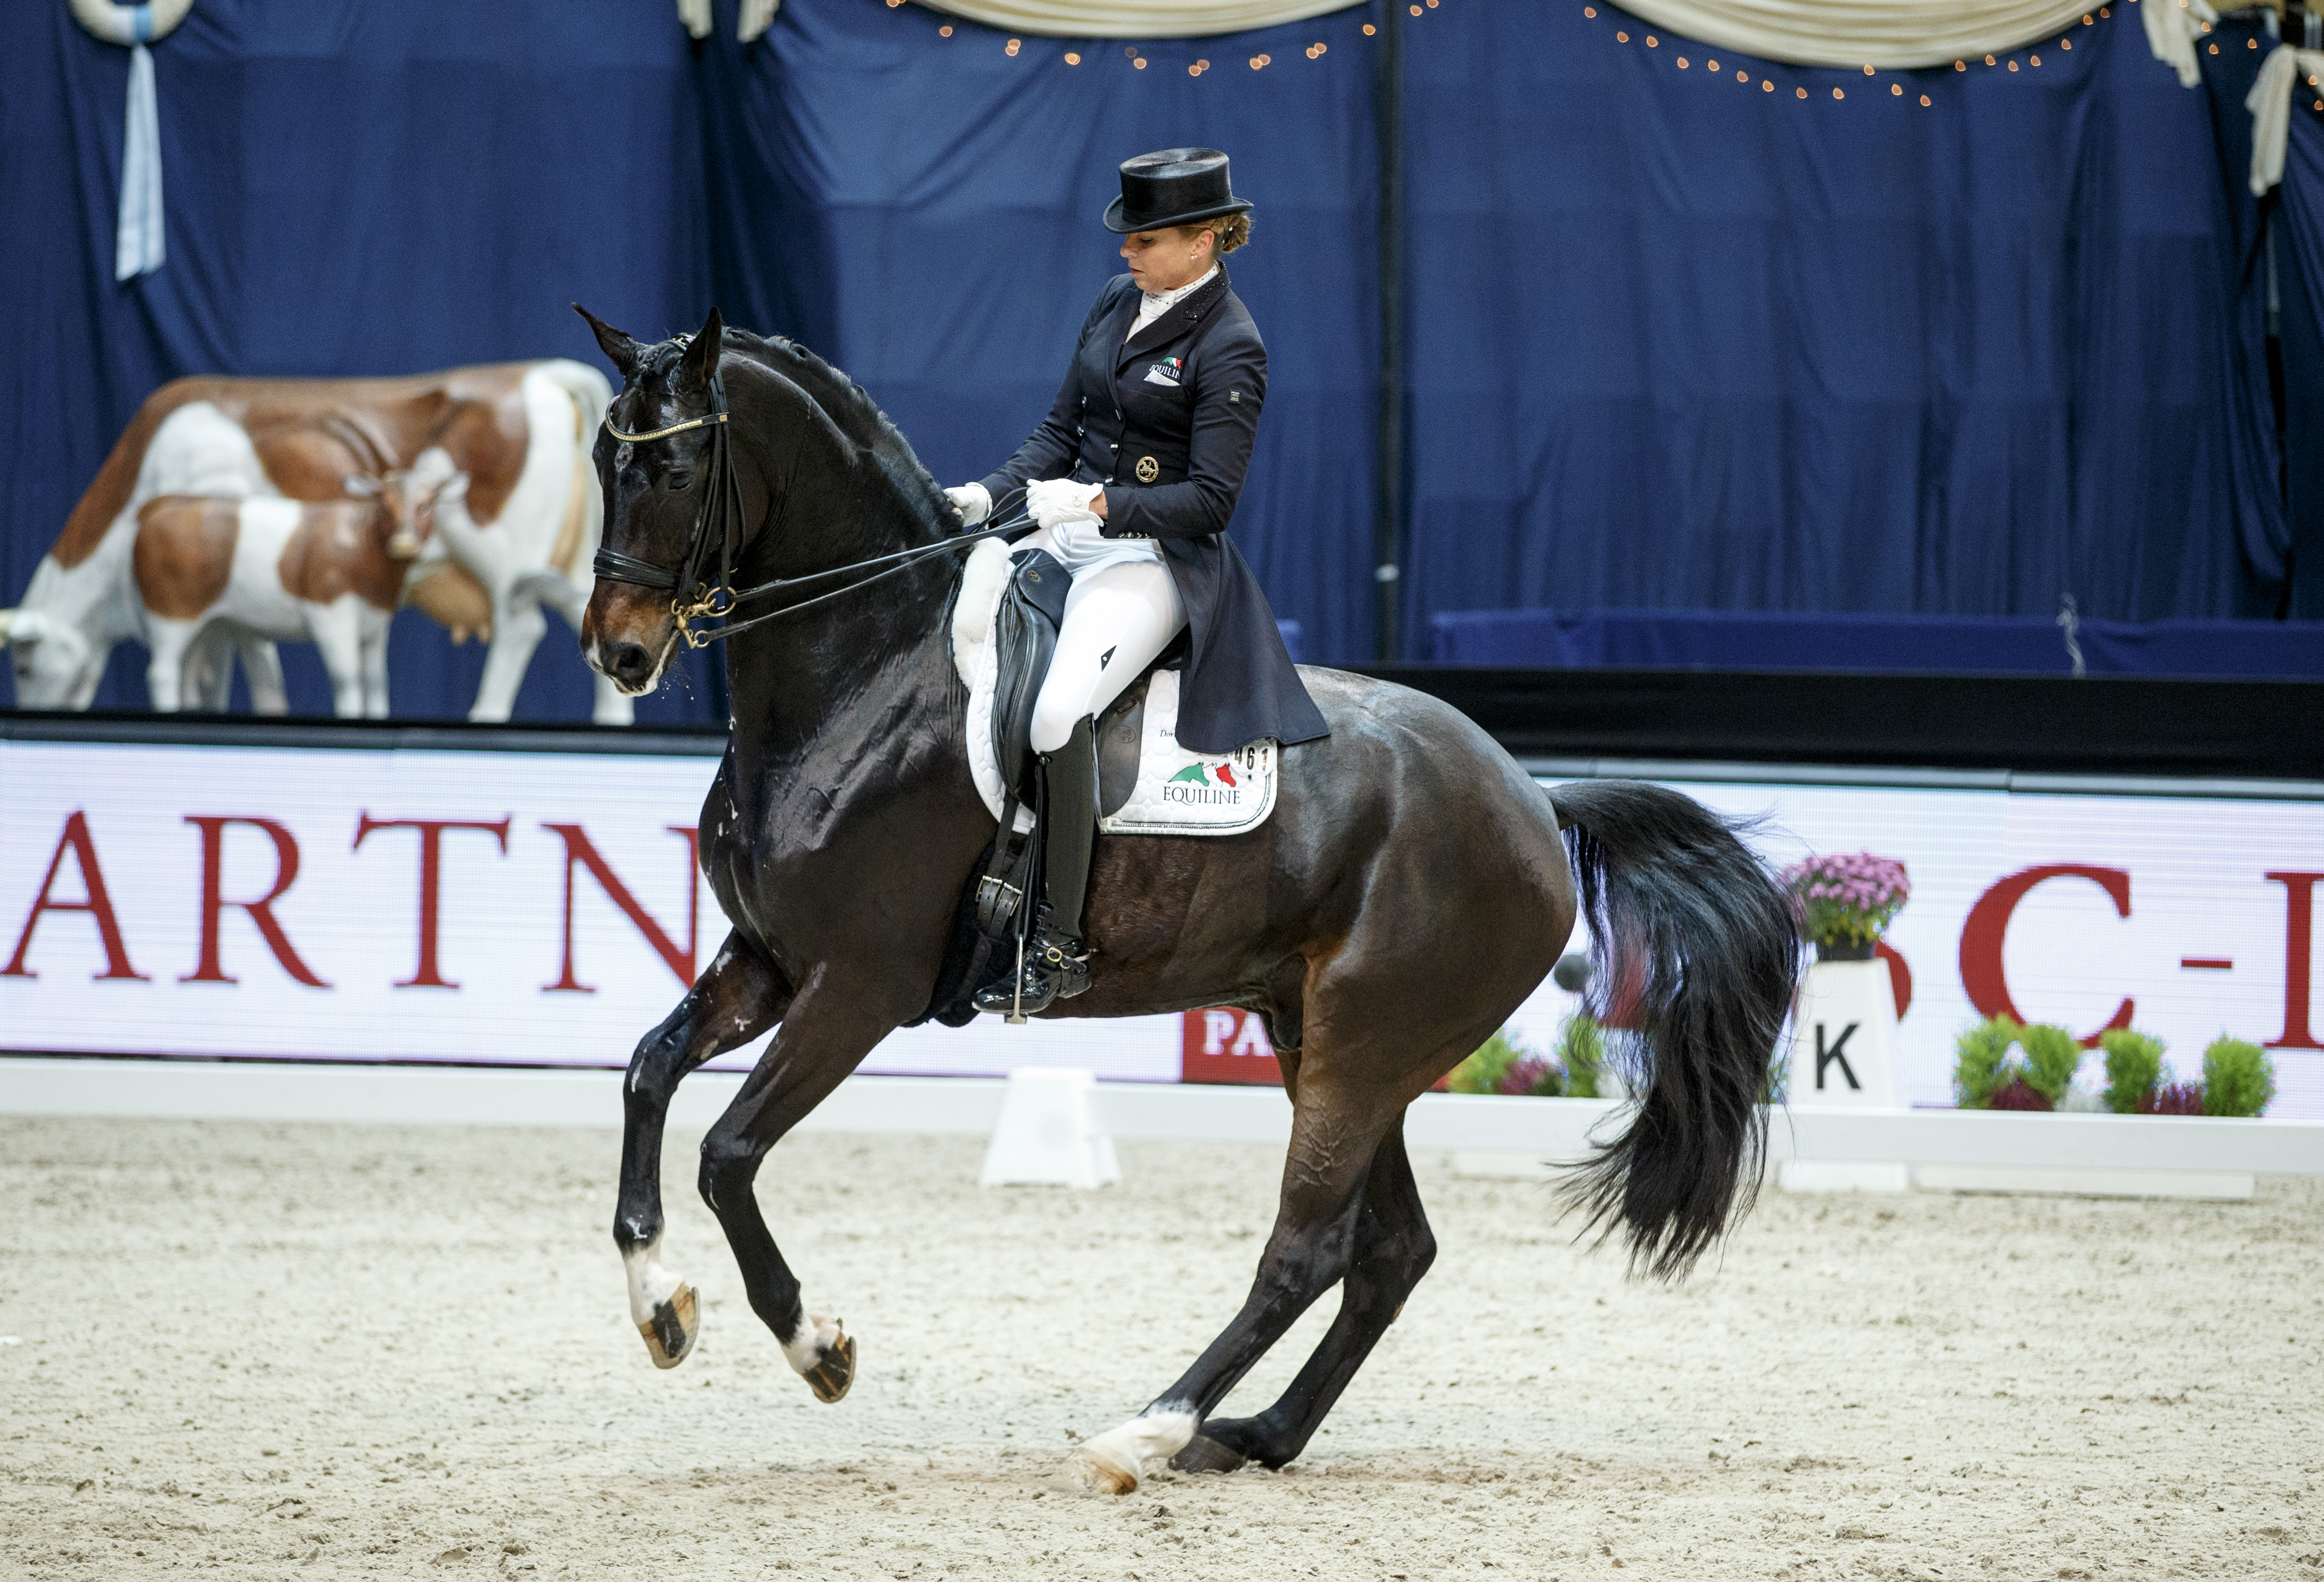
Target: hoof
{"type": "Point", "coordinates": [676, 1324]}
{"type": "Point", "coordinates": [830, 1376]}
{"type": "Point", "coordinates": [1203, 1454]}
{"type": "Point", "coordinates": [1089, 1471]}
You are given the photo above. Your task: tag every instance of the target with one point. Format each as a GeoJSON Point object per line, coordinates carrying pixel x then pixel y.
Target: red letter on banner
{"type": "Point", "coordinates": [1221, 1045]}
{"type": "Point", "coordinates": [262, 910]}
{"type": "Point", "coordinates": [2298, 926]}
{"type": "Point", "coordinates": [1988, 924]}
{"type": "Point", "coordinates": [99, 906]}
{"type": "Point", "coordinates": [577, 848]}
{"type": "Point", "coordinates": [431, 861]}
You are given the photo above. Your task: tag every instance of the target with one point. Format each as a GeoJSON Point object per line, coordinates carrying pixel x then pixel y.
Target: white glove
{"type": "Point", "coordinates": [1057, 501]}
{"type": "Point", "coordinates": [971, 500]}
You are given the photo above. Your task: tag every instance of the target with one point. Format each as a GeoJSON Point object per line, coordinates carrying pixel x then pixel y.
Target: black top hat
{"type": "Point", "coordinates": [1172, 187]}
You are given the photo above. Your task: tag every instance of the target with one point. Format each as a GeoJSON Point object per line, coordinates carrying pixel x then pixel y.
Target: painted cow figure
{"type": "Point", "coordinates": [212, 574]}
{"type": "Point", "coordinates": [504, 448]}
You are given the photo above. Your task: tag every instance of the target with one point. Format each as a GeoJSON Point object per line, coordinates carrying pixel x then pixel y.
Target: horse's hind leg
{"type": "Point", "coordinates": [1335, 1135]}
{"type": "Point", "coordinates": [1393, 1249]}
{"type": "Point", "coordinates": [738, 996]}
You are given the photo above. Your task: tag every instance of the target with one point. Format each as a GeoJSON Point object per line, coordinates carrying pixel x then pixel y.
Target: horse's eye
{"type": "Point", "coordinates": [679, 480]}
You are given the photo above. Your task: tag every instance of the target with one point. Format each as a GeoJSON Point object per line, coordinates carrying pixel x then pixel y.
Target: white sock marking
{"type": "Point", "coordinates": [650, 1285]}
{"type": "Point", "coordinates": [817, 1333]}
{"type": "Point", "coordinates": [1154, 1435]}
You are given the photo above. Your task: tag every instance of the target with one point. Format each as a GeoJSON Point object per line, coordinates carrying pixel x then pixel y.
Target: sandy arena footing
{"type": "Point", "coordinates": [264, 1351]}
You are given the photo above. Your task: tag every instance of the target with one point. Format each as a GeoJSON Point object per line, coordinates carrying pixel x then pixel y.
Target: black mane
{"type": "Point", "coordinates": [847, 404]}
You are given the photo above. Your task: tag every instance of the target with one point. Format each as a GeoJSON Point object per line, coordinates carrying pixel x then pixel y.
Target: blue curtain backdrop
{"type": "Point", "coordinates": [1682, 340]}
{"type": "Point", "coordinates": [923, 211]}
{"type": "Point", "coordinates": [2300, 276]}
{"type": "Point", "coordinates": [1675, 340]}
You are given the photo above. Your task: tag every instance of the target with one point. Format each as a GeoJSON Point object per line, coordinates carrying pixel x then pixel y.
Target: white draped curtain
{"type": "Point", "coordinates": [2286, 74]}
{"type": "Point", "coordinates": [1892, 33]}
{"type": "Point", "coordinates": [1895, 34]}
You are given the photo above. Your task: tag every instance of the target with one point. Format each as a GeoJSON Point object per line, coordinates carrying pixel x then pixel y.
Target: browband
{"type": "Point", "coordinates": [665, 433]}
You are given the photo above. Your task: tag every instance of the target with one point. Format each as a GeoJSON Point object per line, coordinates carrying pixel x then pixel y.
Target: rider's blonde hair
{"type": "Point", "coordinates": [1231, 232]}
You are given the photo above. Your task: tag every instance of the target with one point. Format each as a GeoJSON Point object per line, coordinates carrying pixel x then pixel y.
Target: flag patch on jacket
{"type": "Point", "coordinates": [1166, 371]}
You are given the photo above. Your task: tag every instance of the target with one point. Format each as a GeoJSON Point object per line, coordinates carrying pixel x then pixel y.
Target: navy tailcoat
{"type": "Point", "coordinates": [1165, 419]}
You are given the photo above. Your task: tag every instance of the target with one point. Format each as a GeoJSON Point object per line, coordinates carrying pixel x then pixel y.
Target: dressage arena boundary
{"type": "Point", "coordinates": [2132, 1149]}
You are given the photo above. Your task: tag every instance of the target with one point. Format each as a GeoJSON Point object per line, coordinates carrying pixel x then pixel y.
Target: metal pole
{"type": "Point", "coordinates": [1388, 502]}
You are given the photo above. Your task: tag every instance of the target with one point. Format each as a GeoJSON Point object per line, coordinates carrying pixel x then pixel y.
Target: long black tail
{"type": "Point", "coordinates": [1695, 949]}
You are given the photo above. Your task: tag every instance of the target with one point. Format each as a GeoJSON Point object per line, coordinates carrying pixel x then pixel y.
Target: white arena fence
{"type": "Point", "coordinates": [1496, 1136]}
{"type": "Point", "coordinates": [402, 895]}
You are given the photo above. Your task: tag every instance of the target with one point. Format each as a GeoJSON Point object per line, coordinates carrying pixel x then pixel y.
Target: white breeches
{"type": "Point", "coordinates": [1118, 618]}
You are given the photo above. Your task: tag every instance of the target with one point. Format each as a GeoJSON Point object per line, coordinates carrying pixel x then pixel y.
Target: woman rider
{"type": "Point", "coordinates": [1132, 478]}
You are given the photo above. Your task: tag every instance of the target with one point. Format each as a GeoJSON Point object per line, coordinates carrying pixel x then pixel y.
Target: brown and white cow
{"type": "Point", "coordinates": [212, 574]}
{"type": "Point", "coordinates": [509, 441]}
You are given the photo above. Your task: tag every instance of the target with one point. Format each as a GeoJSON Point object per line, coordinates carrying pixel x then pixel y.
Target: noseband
{"type": "Point", "coordinates": [702, 588]}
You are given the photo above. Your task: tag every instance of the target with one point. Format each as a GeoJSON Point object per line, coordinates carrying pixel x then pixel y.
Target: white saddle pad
{"type": "Point", "coordinates": [1178, 793]}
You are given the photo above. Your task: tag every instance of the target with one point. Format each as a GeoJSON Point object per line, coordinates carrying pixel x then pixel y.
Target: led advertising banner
{"type": "Point", "coordinates": [521, 907]}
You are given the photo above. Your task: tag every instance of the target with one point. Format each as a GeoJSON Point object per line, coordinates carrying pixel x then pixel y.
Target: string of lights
{"type": "Point", "coordinates": [2029, 59]}
{"type": "Point", "coordinates": [1904, 84]}
{"type": "Point", "coordinates": [1908, 86]}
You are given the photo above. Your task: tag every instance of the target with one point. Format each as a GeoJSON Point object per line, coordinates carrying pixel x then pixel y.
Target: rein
{"type": "Point", "coordinates": [693, 595]}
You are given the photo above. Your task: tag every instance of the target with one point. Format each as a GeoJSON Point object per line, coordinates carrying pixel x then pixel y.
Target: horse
{"type": "Point", "coordinates": [1411, 888]}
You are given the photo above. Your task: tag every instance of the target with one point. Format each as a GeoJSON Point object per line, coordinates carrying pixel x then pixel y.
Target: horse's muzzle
{"type": "Point", "coordinates": [629, 665]}
{"type": "Point", "coordinates": [628, 635]}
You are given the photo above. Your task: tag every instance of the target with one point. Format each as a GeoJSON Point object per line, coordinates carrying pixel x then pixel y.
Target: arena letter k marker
{"type": "Point", "coordinates": [1825, 1057]}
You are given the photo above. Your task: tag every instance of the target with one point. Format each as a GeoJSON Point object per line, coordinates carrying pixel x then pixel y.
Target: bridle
{"type": "Point", "coordinates": [702, 587]}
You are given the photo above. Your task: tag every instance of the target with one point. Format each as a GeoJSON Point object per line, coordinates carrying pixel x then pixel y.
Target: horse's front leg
{"type": "Point", "coordinates": [738, 996]}
{"type": "Point", "coordinates": [830, 1028]}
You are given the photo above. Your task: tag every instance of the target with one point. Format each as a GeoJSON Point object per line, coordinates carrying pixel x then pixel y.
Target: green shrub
{"type": "Point", "coordinates": [1581, 1051]}
{"type": "Point", "coordinates": [2133, 1065]}
{"type": "Point", "coordinates": [1980, 1055]}
{"type": "Point", "coordinates": [1483, 1072]}
{"type": "Point", "coordinates": [2238, 1078]}
{"type": "Point", "coordinates": [2051, 1054]}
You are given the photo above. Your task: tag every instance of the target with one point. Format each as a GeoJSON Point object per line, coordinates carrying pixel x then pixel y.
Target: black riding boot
{"type": "Point", "coordinates": [1056, 961]}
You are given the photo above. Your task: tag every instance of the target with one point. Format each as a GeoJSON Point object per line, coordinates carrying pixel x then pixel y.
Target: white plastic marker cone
{"type": "Point", "coordinates": [1046, 1136]}
{"type": "Point", "coordinates": [1843, 1036]}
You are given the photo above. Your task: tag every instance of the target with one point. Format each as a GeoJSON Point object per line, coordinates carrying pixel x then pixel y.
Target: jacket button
{"type": "Point", "coordinates": [1113, 448]}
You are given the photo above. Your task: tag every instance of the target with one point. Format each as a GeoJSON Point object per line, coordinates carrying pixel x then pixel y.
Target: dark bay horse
{"type": "Point", "coordinates": [1411, 889]}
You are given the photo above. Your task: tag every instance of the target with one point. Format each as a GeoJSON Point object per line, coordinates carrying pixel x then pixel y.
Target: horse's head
{"type": "Point", "coordinates": [654, 489]}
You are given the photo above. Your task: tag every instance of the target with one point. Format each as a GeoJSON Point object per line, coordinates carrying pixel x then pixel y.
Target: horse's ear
{"type": "Point", "coordinates": [701, 360]}
{"type": "Point", "coordinates": [619, 348]}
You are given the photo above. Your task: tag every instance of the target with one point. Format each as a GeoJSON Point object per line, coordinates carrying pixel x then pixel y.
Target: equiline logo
{"type": "Point", "coordinates": [1193, 784]}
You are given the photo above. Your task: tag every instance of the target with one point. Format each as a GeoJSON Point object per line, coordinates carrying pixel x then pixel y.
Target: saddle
{"type": "Point", "coordinates": [1025, 627]}
{"type": "Point", "coordinates": [1005, 624]}
{"type": "Point", "coordinates": [1005, 621]}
